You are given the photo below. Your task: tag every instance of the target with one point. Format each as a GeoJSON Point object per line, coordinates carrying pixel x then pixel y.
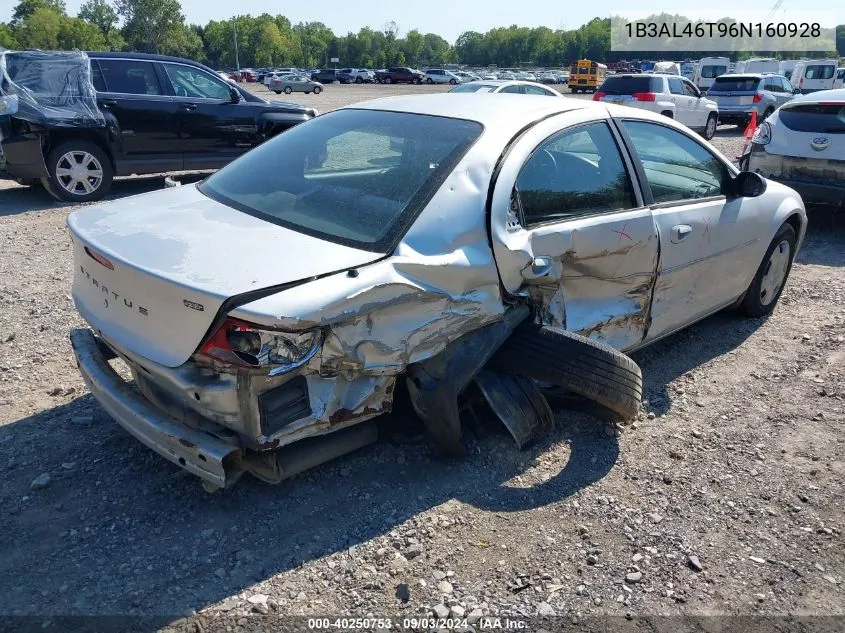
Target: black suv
{"type": "Point", "coordinates": [145, 114]}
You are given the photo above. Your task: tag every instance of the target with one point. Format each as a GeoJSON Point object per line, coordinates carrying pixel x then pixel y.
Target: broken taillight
{"type": "Point", "coordinates": [244, 344]}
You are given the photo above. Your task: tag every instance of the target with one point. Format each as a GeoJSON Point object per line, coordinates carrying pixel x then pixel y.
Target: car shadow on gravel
{"type": "Point", "coordinates": [118, 530]}
{"type": "Point", "coordinates": [16, 199]}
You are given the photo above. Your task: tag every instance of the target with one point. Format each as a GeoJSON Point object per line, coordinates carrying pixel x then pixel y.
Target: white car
{"type": "Point", "coordinates": [802, 144]}
{"type": "Point", "coordinates": [489, 76]}
{"type": "Point", "coordinates": [671, 95]}
{"type": "Point", "coordinates": [440, 76]}
{"type": "Point", "coordinates": [513, 87]}
{"type": "Point", "coordinates": [466, 77]}
{"type": "Point", "coordinates": [267, 314]}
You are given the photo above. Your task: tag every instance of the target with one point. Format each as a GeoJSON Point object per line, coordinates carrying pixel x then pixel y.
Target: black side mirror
{"type": "Point", "coordinates": [234, 95]}
{"type": "Point", "coordinates": [746, 184]}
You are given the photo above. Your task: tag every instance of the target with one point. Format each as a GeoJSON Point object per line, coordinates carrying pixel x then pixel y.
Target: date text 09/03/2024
{"type": "Point", "coordinates": [723, 29]}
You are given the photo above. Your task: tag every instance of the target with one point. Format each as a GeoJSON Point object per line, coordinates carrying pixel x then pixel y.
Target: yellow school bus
{"type": "Point", "coordinates": [586, 75]}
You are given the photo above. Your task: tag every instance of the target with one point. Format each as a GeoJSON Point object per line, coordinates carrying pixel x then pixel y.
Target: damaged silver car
{"type": "Point", "coordinates": [268, 313]}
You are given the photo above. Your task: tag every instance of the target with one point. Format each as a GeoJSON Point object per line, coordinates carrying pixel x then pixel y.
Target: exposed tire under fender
{"type": "Point", "coordinates": [584, 366]}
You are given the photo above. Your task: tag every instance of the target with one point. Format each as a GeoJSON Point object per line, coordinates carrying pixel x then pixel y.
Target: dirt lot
{"type": "Point", "coordinates": [725, 497]}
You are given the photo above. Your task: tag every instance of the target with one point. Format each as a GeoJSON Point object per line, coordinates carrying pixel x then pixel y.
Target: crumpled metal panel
{"type": "Point", "coordinates": [52, 87]}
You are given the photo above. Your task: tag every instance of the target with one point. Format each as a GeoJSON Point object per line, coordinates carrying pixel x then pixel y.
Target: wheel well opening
{"type": "Point", "coordinates": [57, 137]}
{"type": "Point", "coordinates": [794, 221]}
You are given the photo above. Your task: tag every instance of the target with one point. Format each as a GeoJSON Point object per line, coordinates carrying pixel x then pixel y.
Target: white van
{"type": "Point", "coordinates": [814, 74]}
{"type": "Point", "coordinates": [667, 68]}
{"type": "Point", "coordinates": [708, 69]}
{"type": "Point", "coordinates": [839, 82]}
{"type": "Point", "coordinates": [759, 65]}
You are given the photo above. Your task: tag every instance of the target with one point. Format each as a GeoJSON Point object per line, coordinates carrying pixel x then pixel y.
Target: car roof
{"type": "Point", "coordinates": [744, 75]}
{"type": "Point", "coordinates": [485, 108]}
{"type": "Point", "coordinates": [820, 95]}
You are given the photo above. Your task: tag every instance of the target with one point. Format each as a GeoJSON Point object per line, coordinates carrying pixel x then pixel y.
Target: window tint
{"type": "Point", "coordinates": [356, 177]}
{"type": "Point", "coordinates": [629, 85]}
{"type": "Point", "coordinates": [577, 172]}
{"type": "Point", "coordinates": [515, 89]}
{"type": "Point", "coordinates": [676, 86]}
{"type": "Point", "coordinates": [785, 86]}
{"type": "Point", "coordinates": [773, 84]}
{"type": "Point", "coordinates": [819, 71]}
{"type": "Point", "coordinates": [536, 90]}
{"type": "Point", "coordinates": [676, 166]}
{"type": "Point", "coordinates": [811, 117]}
{"type": "Point", "coordinates": [690, 90]}
{"type": "Point", "coordinates": [711, 72]}
{"type": "Point", "coordinates": [130, 77]}
{"type": "Point", "coordinates": [735, 84]}
{"type": "Point", "coordinates": [97, 77]}
{"type": "Point", "coordinates": [192, 82]}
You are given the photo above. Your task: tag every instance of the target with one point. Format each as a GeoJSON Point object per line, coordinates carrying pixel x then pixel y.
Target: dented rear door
{"type": "Point", "coordinates": [570, 230]}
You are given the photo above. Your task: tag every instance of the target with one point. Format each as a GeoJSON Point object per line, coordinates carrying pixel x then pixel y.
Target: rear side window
{"type": "Point", "coordinates": [676, 87]}
{"type": "Point", "coordinates": [827, 119]}
{"type": "Point", "coordinates": [474, 87]}
{"type": "Point", "coordinates": [711, 72]}
{"type": "Point", "coordinates": [130, 77]}
{"type": "Point", "coordinates": [629, 85]}
{"type": "Point", "coordinates": [819, 71]}
{"type": "Point", "coordinates": [735, 84]}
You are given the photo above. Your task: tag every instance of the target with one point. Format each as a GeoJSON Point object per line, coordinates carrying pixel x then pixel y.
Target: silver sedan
{"type": "Point", "coordinates": [295, 83]}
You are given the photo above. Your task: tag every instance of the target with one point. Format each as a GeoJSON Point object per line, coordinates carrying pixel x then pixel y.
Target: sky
{"type": "Point", "coordinates": [448, 18]}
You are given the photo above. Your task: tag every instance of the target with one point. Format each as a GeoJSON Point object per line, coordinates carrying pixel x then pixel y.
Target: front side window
{"type": "Point", "coordinates": [676, 166]}
{"type": "Point", "coordinates": [131, 77]}
{"type": "Point", "coordinates": [690, 90]}
{"type": "Point", "coordinates": [192, 82]}
{"type": "Point", "coordinates": [577, 172]}
{"type": "Point", "coordinates": [355, 177]}
{"type": "Point", "coordinates": [513, 89]}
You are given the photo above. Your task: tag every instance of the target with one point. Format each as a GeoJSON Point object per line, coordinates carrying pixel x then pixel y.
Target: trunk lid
{"type": "Point", "coordinates": [151, 271]}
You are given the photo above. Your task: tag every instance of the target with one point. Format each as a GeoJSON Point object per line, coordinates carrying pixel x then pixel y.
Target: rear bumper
{"type": "Point", "coordinates": [208, 457]}
{"type": "Point", "coordinates": [818, 181]}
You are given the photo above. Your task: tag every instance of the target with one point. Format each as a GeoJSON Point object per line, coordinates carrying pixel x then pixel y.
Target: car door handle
{"type": "Point", "coordinates": [107, 103]}
{"type": "Point", "coordinates": [190, 107]}
{"type": "Point", "coordinates": [680, 232]}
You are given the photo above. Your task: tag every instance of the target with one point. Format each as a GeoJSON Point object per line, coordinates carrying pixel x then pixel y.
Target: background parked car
{"type": "Point", "coordinates": [357, 75]}
{"type": "Point", "coordinates": [738, 95]}
{"type": "Point", "coordinates": [295, 83]}
{"type": "Point", "coordinates": [465, 76]}
{"type": "Point", "coordinates": [400, 74]}
{"type": "Point", "coordinates": [328, 76]}
{"type": "Point", "coordinates": [441, 76]}
{"type": "Point", "coordinates": [671, 95]}
{"type": "Point", "coordinates": [818, 74]}
{"type": "Point", "coordinates": [144, 114]}
{"type": "Point", "coordinates": [839, 82]}
{"type": "Point", "coordinates": [802, 145]}
{"type": "Point", "coordinates": [507, 87]}
{"type": "Point", "coordinates": [708, 69]}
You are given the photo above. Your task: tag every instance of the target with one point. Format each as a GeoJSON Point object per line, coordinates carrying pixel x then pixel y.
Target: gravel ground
{"type": "Point", "coordinates": [724, 497]}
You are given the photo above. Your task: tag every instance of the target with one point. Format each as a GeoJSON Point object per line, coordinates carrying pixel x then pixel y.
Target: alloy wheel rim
{"type": "Point", "coordinates": [775, 273]}
{"type": "Point", "coordinates": [79, 172]}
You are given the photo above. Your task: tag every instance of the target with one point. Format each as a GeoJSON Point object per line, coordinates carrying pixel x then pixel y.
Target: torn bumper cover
{"type": "Point", "coordinates": [208, 457]}
{"type": "Point", "coordinates": [819, 181]}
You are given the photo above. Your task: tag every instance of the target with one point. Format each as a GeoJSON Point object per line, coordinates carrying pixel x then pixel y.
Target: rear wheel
{"type": "Point", "coordinates": [79, 171]}
{"type": "Point", "coordinates": [388, 80]}
{"type": "Point", "coordinates": [766, 287]}
{"type": "Point", "coordinates": [358, 80]}
{"type": "Point", "coordinates": [710, 127]}
{"type": "Point", "coordinates": [288, 90]}
{"type": "Point", "coordinates": [584, 366]}
{"type": "Point", "coordinates": [429, 81]}
{"type": "Point", "coordinates": [317, 90]}
{"type": "Point", "coordinates": [452, 81]}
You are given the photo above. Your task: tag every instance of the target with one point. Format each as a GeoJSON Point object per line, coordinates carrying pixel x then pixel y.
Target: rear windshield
{"type": "Point", "coordinates": [828, 119]}
{"type": "Point", "coordinates": [474, 87]}
{"type": "Point", "coordinates": [709, 72]}
{"type": "Point", "coordinates": [355, 177]}
{"type": "Point", "coordinates": [735, 84]}
{"type": "Point", "coordinates": [630, 85]}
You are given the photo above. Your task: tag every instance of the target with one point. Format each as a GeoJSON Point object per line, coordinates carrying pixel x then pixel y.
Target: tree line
{"type": "Point", "coordinates": [159, 26]}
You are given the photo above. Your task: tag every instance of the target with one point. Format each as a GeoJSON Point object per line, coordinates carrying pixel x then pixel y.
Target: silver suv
{"type": "Point", "coordinates": [741, 94]}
